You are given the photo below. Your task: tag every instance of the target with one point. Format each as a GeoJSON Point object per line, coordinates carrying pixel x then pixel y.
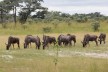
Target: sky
{"type": "Point", "coordinates": [77, 6]}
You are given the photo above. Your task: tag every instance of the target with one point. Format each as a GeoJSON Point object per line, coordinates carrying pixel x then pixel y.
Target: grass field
{"type": "Point", "coordinates": [70, 59]}
{"type": "Point", "coordinates": [38, 61]}
{"type": "Point", "coordinates": [62, 27]}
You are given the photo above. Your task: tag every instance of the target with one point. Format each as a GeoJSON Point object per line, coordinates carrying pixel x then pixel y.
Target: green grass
{"type": "Point", "coordinates": [62, 27]}
{"type": "Point", "coordinates": [38, 61]}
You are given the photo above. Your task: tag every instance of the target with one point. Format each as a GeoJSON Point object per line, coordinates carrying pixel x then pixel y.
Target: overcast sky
{"type": "Point", "coordinates": [77, 6]}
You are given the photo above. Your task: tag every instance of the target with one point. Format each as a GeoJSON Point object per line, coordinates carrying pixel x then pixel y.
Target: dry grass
{"type": "Point", "coordinates": [62, 27]}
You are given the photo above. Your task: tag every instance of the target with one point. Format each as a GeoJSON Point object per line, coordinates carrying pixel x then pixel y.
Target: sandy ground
{"type": "Point", "coordinates": [73, 53]}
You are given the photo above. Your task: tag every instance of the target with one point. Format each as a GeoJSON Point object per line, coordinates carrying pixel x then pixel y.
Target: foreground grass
{"type": "Point", "coordinates": [38, 61]}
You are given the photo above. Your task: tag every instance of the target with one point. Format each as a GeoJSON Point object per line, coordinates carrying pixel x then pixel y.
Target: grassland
{"type": "Point", "coordinates": [31, 59]}
{"type": "Point", "coordinates": [62, 27]}
{"type": "Point", "coordinates": [39, 61]}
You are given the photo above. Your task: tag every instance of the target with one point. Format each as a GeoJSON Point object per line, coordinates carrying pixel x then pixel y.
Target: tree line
{"type": "Point", "coordinates": [22, 11]}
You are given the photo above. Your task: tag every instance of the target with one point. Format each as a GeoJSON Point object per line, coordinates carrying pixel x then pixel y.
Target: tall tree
{"type": "Point", "coordinates": [11, 5]}
{"type": "Point", "coordinates": [29, 7]}
{"type": "Point", "coordinates": [3, 12]}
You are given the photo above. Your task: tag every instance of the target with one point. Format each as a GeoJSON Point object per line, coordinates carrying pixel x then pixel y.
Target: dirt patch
{"type": "Point", "coordinates": [75, 53]}
{"type": "Point", "coordinates": [6, 58]}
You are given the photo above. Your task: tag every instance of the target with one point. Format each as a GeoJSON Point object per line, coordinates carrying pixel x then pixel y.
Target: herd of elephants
{"type": "Point", "coordinates": [61, 40]}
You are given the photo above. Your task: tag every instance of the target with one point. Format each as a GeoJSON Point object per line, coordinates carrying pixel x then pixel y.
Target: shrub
{"type": "Point", "coordinates": [55, 23]}
{"type": "Point", "coordinates": [47, 29]}
{"type": "Point", "coordinates": [30, 21]}
{"type": "Point", "coordinates": [24, 26]}
{"type": "Point", "coordinates": [96, 26]}
{"type": "Point", "coordinates": [68, 21]}
{"type": "Point", "coordinates": [56, 58]}
{"type": "Point", "coordinates": [4, 25]}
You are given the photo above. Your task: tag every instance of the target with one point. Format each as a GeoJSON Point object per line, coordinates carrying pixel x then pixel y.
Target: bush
{"type": "Point", "coordinates": [47, 29]}
{"type": "Point", "coordinates": [4, 25]}
{"type": "Point", "coordinates": [24, 26]}
{"type": "Point", "coordinates": [55, 23]}
{"type": "Point", "coordinates": [68, 21]}
{"type": "Point", "coordinates": [30, 21]}
{"type": "Point", "coordinates": [96, 26]}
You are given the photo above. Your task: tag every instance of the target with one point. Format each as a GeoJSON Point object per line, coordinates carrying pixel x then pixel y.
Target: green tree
{"type": "Point", "coordinates": [10, 5]}
{"type": "Point", "coordinates": [30, 6]}
{"type": "Point", "coordinates": [40, 14]}
{"type": "Point", "coordinates": [3, 13]}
